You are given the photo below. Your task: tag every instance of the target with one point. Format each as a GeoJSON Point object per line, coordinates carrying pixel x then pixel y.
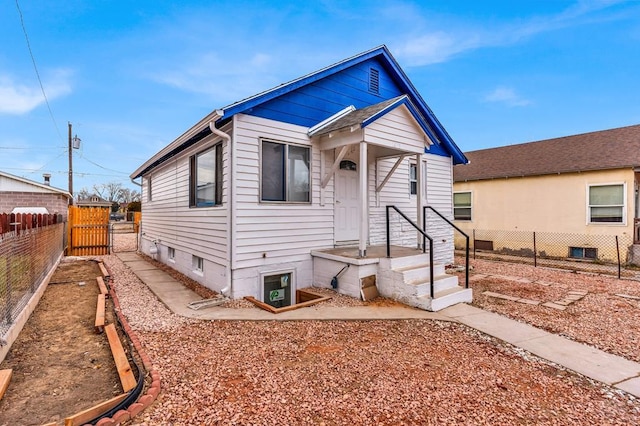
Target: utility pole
{"type": "Point", "coordinates": [70, 167]}
{"type": "Point", "coordinates": [74, 143]}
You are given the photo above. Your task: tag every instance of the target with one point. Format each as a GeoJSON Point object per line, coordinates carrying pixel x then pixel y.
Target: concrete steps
{"type": "Point", "coordinates": [407, 279]}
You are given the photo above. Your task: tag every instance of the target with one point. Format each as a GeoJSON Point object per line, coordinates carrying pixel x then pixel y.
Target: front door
{"type": "Point", "coordinates": [346, 203]}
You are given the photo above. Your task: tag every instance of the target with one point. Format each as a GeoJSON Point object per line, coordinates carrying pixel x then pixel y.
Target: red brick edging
{"type": "Point", "coordinates": [152, 392]}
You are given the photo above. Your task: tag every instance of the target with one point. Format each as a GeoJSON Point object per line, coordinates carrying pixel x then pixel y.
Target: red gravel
{"type": "Point", "coordinates": [363, 373]}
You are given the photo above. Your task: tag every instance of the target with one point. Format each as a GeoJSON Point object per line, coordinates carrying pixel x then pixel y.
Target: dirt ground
{"type": "Point", "coordinates": [60, 365]}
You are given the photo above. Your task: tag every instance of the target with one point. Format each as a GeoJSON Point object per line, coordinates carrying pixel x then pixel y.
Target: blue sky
{"type": "Point", "coordinates": [133, 75]}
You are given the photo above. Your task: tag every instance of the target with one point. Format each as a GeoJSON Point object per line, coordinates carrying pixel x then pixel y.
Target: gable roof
{"type": "Point", "coordinates": [40, 186]}
{"type": "Point", "coordinates": [367, 115]}
{"type": "Point", "coordinates": [602, 150]}
{"type": "Point", "coordinates": [266, 105]}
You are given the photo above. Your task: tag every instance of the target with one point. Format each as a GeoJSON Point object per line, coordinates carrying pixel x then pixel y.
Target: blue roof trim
{"type": "Point", "coordinates": [434, 128]}
{"type": "Point", "coordinates": [412, 109]}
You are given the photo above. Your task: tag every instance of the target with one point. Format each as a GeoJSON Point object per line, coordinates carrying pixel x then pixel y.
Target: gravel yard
{"type": "Point", "coordinates": [374, 372]}
{"type": "Point", "coordinates": [601, 319]}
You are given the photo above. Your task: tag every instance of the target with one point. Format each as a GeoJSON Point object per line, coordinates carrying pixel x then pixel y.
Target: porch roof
{"type": "Point", "coordinates": [364, 116]}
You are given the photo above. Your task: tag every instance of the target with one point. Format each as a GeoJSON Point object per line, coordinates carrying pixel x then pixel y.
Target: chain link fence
{"type": "Point", "coordinates": [26, 257]}
{"type": "Point", "coordinates": [607, 254]}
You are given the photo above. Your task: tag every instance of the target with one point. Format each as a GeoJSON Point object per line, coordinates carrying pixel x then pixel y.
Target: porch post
{"type": "Point", "coordinates": [419, 196]}
{"type": "Point", "coordinates": [362, 200]}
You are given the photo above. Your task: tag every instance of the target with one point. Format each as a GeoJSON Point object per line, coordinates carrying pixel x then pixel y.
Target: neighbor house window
{"type": "Point", "coordinates": [205, 178]}
{"type": "Point", "coordinates": [197, 263]}
{"type": "Point", "coordinates": [583, 252]}
{"type": "Point", "coordinates": [149, 188]}
{"type": "Point", "coordinates": [413, 179]}
{"type": "Point", "coordinates": [462, 205]}
{"type": "Point", "coordinates": [285, 172]}
{"type": "Point", "coordinates": [606, 203]}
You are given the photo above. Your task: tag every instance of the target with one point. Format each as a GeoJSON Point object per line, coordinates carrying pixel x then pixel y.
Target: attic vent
{"type": "Point", "coordinates": [374, 81]}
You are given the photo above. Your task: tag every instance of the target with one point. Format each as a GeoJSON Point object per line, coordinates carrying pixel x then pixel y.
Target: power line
{"type": "Point", "coordinates": [35, 67]}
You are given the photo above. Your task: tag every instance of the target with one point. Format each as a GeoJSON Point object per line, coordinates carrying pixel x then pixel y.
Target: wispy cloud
{"type": "Point", "coordinates": [437, 46]}
{"type": "Point", "coordinates": [221, 78]}
{"type": "Point", "coordinates": [17, 98]}
{"type": "Point", "coordinates": [507, 96]}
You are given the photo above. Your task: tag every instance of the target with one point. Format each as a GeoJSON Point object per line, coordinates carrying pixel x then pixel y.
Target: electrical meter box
{"type": "Point", "coordinates": [277, 290]}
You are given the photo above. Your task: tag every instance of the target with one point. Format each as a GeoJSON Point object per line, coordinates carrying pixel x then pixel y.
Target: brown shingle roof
{"type": "Point", "coordinates": [602, 150]}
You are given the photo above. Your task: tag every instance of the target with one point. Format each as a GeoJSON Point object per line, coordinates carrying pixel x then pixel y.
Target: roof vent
{"type": "Point", "coordinates": [47, 178]}
{"type": "Point", "coordinates": [374, 81]}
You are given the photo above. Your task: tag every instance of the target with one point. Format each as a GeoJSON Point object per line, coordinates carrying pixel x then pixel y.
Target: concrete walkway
{"type": "Point", "coordinates": [583, 359]}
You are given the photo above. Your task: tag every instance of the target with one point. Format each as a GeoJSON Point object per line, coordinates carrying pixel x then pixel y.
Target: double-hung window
{"type": "Point", "coordinates": [606, 204]}
{"type": "Point", "coordinates": [285, 172]}
{"type": "Point", "coordinates": [462, 205]}
{"type": "Point", "coordinates": [413, 179]}
{"type": "Point", "coordinates": [205, 178]}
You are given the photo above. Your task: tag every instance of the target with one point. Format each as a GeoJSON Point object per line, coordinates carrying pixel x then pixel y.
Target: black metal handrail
{"type": "Point", "coordinates": [424, 224]}
{"type": "Point", "coordinates": [425, 237]}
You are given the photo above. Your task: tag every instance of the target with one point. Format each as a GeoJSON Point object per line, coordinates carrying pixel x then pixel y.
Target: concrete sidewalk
{"type": "Point", "coordinates": [583, 359]}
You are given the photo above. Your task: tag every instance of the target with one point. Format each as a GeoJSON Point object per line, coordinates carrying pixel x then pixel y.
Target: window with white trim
{"type": "Point", "coordinates": [606, 203]}
{"type": "Point", "coordinates": [462, 205]}
{"type": "Point", "coordinates": [149, 188]}
{"type": "Point", "coordinates": [413, 179]}
{"type": "Point", "coordinates": [285, 172]}
{"type": "Point", "coordinates": [205, 178]}
{"type": "Point", "coordinates": [197, 263]}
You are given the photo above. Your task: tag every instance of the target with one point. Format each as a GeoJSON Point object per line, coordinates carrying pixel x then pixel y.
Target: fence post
{"type": "Point", "coordinates": [618, 253]}
{"type": "Point", "coordinates": [474, 244]}
{"type": "Point", "coordinates": [535, 251]}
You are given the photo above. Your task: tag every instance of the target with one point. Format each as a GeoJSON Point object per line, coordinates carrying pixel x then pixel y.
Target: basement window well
{"type": "Point", "coordinates": [276, 289]}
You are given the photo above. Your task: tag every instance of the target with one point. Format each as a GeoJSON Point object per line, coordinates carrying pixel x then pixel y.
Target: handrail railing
{"type": "Point", "coordinates": [424, 222]}
{"type": "Point", "coordinates": [425, 237]}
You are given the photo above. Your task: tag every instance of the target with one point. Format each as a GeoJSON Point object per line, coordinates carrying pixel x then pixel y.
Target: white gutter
{"type": "Point", "coordinates": [217, 114]}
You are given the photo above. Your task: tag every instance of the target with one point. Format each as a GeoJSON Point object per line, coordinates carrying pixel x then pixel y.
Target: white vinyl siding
{"type": "Point", "coordinates": [396, 129]}
{"type": "Point", "coordinates": [438, 181]}
{"type": "Point", "coordinates": [168, 218]}
{"type": "Point", "coordinates": [271, 233]}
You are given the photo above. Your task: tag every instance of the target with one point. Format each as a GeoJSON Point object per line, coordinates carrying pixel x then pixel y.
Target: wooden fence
{"type": "Point", "coordinates": [88, 231]}
{"type": "Point", "coordinates": [21, 221]}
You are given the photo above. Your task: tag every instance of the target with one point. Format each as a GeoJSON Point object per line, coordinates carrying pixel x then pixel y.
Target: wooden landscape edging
{"type": "Point", "coordinates": [104, 271]}
{"type": "Point", "coordinates": [102, 286]}
{"type": "Point", "coordinates": [310, 297]}
{"type": "Point", "coordinates": [100, 313]}
{"type": "Point", "coordinates": [5, 378]}
{"type": "Point", "coordinates": [91, 413]}
{"type": "Point", "coordinates": [127, 378]}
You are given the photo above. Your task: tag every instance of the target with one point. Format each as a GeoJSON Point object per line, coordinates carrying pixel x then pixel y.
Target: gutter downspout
{"type": "Point", "coordinates": [228, 289]}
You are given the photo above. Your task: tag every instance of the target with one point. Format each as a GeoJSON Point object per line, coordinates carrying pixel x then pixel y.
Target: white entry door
{"type": "Point", "coordinates": [346, 206]}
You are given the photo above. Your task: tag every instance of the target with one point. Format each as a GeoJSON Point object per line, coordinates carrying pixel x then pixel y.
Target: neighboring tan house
{"type": "Point", "coordinates": [22, 195]}
{"type": "Point", "coordinates": [254, 199]}
{"type": "Point", "coordinates": [585, 184]}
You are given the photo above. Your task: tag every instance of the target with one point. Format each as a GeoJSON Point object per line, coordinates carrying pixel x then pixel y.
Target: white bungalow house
{"type": "Point", "coordinates": [285, 189]}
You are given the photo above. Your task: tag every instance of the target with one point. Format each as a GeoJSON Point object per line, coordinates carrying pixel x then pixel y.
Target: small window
{"type": "Point", "coordinates": [462, 205]}
{"type": "Point", "coordinates": [171, 253]}
{"type": "Point", "coordinates": [348, 165]}
{"type": "Point", "coordinates": [197, 263]}
{"type": "Point", "coordinates": [606, 204]}
{"type": "Point", "coordinates": [285, 172]}
{"type": "Point", "coordinates": [583, 252]}
{"type": "Point", "coordinates": [149, 188]}
{"type": "Point", "coordinates": [205, 178]}
{"type": "Point", "coordinates": [277, 289]}
{"type": "Point", "coordinates": [374, 81]}
{"type": "Point", "coordinates": [413, 179]}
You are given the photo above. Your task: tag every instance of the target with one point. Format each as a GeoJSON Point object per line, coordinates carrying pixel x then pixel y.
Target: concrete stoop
{"type": "Point", "coordinates": [407, 280]}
